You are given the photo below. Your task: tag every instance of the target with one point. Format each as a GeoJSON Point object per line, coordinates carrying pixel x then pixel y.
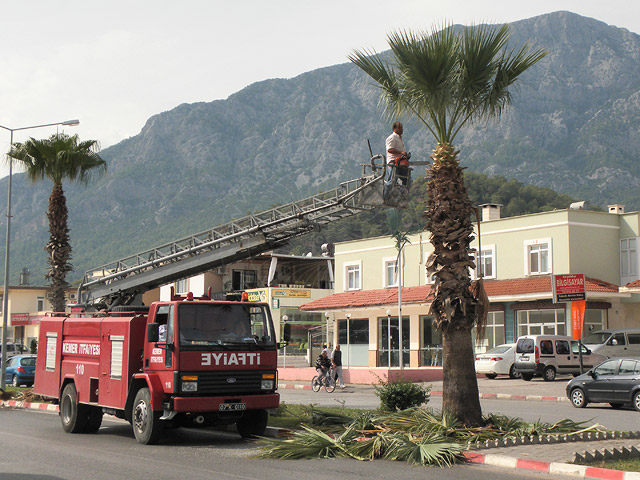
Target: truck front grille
{"type": "Point", "coordinates": [226, 383]}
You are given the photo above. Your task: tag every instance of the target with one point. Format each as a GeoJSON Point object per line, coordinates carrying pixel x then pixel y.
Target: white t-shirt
{"type": "Point", "coordinates": [394, 141]}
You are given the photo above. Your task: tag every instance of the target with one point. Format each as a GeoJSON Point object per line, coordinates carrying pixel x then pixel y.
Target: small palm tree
{"type": "Point", "coordinates": [446, 78]}
{"type": "Point", "coordinates": [60, 157]}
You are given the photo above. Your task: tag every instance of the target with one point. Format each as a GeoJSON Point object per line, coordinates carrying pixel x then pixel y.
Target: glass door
{"type": "Point", "coordinates": [389, 342]}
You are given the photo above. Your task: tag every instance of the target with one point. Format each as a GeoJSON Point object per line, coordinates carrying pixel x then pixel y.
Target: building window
{"type": "Point", "coordinates": [389, 341]}
{"type": "Point", "coordinates": [390, 272]}
{"type": "Point", "coordinates": [430, 343]}
{"type": "Point", "coordinates": [494, 333]}
{"type": "Point", "coordinates": [486, 262]}
{"type": "Point", "coordinates": [541, 322]}
{"type": "Point", "coordinates": [538, 257]}
{"type": "Point", "coordinates": [628, 260]}
{"type": "Point", "coordinates": [594, 320]}
{"type": "Point", "coordinates": [244, 279]}
{"type": "Point", "coordinates": [428, 279]}
{"type": "Point", "coordinates": [353, 337]}
{"type": "Point", "coordinates": [352, 276]}
{"type": "Point", "coordinates": [40, 304]}
{"type": "Point", "coordinates": [182, 286]}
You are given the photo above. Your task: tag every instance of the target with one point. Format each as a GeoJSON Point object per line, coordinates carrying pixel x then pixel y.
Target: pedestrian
{"type": "Point", "coordinates": [336, 361]}
{"type": "Point", "coordinates": [395, 153]}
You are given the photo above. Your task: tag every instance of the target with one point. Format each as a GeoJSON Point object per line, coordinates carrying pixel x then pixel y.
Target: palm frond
{"type": "Point", "coordinates": [424, 451]}
{"type": "Point", "coordinates": [311, 443]}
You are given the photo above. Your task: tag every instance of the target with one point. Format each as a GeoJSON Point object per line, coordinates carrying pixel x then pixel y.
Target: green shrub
{"type": "Point", "coordinates": [400, 394]}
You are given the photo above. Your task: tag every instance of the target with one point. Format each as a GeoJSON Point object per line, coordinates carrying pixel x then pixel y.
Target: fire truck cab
{"type": "Point", "coordinates": [183, 363]}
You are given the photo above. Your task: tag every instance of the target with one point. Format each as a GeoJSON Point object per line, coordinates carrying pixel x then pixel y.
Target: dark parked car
{"type": "Point", "coordinates": [615, 381]}
{"type": "Point", "coordinates": [21, 370]}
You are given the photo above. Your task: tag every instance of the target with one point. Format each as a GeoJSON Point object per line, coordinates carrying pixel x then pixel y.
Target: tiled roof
{"type": "Point", "coordinates": [494, 288]}
{"type": "Point", "coordinates": [634, 284]}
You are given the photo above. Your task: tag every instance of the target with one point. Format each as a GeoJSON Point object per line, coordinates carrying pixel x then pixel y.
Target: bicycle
{"type": "Point", "coordinates": [327, 382]}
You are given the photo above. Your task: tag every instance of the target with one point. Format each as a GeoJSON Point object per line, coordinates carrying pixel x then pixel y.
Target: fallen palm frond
{"type": "Point", "coordinates": [311, 443]}
{"type": "Point", "coordinates": [415, 435]}
{"type": "Point", "coordinates": [429, 450]}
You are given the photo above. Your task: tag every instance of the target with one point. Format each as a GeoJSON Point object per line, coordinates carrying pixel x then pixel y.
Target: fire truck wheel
{"type": "Point", "coordinates": [147, 426]}
{"type": "Point", "coordinates": [74, 417]}
{"type": "Point", "coordinates": [95, 420]}
{"type": "Point", "coordinates": [253, 423]}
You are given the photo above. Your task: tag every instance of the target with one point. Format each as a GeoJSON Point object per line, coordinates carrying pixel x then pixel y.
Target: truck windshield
{"type": "Point", "coordinates": [224, 324]}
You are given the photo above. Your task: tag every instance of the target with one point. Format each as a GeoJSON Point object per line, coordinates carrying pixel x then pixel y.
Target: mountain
{"type": "Point", "coordinates": [573, 127]}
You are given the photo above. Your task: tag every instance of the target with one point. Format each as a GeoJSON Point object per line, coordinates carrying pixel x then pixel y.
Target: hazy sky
{"type": "Point", "coordinates": [113, 64]}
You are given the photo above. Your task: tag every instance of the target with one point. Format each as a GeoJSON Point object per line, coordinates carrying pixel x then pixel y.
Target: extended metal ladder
{"type": "Point", "coordinates": [123, 281]}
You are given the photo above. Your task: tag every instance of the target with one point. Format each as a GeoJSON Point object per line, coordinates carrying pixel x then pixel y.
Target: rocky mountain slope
{"type": "Point", "coordinates": [573, 127]}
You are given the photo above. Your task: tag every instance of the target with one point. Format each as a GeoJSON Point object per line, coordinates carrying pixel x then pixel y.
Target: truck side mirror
{"type": "Point", "coordinates": [153, 332]}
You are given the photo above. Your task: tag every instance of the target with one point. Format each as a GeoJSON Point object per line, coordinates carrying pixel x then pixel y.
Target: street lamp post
{"type": "Point", "coordinates": [327, 315]}
{"type": "Point", "coordinates": [5, 297]}
{"type": "Point", "coordinates": [284, 349]}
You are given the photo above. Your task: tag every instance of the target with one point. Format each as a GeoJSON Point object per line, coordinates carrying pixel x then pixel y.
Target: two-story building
{"type": "Point", "coordinates": [517, 257]}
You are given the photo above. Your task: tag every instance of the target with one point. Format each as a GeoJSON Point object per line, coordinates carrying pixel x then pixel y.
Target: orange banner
{"type": "Point", "coordinates": [577, 316]}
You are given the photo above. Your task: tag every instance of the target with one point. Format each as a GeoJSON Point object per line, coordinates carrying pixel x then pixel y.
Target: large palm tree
{"type": "Point", "coordinates": [60, 157]}
{"type": "Point", "coordinates": [446, 78]}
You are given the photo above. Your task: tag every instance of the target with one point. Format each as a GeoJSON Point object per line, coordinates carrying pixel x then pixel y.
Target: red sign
{"type": "Point", "coordinates": [577, 317]}
{"type": "Point", "coordinates": [568, 288]}
{"type": "Point", "coordinates": [18, 319]}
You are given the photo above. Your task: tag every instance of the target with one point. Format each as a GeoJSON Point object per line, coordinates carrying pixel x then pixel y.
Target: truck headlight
{"type": "Point", "coordinates": [189, 383]}
{"type": "Point", "coordinates": [268, 381]}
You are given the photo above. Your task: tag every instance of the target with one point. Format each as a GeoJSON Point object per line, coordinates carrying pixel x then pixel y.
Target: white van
{"type": "Point", "coordinates": [624, 342]}
{"type": "Point", "coordinates": [548, 355]}
{"type": "Point", "coordinates": [14, 349]}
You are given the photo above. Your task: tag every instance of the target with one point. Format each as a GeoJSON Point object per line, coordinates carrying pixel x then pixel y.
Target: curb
{"type": "Point", "coordinates": [49, 407]}
{"type": "Point", "coordinates": [555, 468]}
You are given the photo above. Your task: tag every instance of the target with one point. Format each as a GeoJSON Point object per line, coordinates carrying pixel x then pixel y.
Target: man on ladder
{"type": "Point", "coordinates": [397, 161]}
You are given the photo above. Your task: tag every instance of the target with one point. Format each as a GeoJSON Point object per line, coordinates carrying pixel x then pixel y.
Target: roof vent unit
{"type": "Point", "coordinates": [616, 209]}
{"type": "Point", "coordinates": [584, 205]}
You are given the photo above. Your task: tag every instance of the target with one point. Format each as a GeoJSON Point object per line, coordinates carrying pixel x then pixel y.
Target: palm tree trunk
{"type": "Point", "coordinates": [58, 248]}
{"type": "Point", "coordinates": [454, 308]}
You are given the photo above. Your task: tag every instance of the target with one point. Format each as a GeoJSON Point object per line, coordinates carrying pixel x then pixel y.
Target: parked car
{"type": "Point", "coordinates": [14, 349]}
{"type": "Point", "coordinates": [624, 342]}
{"type": "Point", "coordinates": [615, 381]}
{"type": "Point", "coordinates": [498, 361]}
{"type": "Point", "coordinates": [549, 355]}
{"type": "Point", "coordinates": [21, 370]}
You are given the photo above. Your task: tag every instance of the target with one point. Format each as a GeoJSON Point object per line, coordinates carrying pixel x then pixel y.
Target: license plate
{"type": "Point", "coordinates": [231, 407]}
{"type": "Point", "coordinates": [524, 358]}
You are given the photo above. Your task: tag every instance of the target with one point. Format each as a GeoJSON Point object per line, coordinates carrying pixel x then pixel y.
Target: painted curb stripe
{"type": "Point", "coordinates": [604, 473]}
{"type": "Point", "coordinates": [536, 465]}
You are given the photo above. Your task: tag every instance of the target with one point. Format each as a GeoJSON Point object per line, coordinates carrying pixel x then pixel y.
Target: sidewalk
{"type": "Point", "coordinates": [499, 388]}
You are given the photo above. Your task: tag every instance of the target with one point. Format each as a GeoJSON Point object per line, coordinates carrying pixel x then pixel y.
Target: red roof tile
{"type": "Point", "coordinates": [494, 288]}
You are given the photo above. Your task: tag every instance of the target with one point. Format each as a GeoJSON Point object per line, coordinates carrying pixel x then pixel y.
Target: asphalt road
{"type": "Point", "coordinates": [530, 410]}
{"type": "Point", "coordinates": [34, 447]}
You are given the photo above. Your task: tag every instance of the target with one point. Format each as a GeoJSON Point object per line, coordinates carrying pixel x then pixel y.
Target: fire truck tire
{"type": "Point", "coordinates": [95, 420]}
{"type": "Point", "coordinates": [147, 426]}
{"type": "Point", "coordinates": [74, 416]}
{"type": "Point", "coordinates": [252, 424]}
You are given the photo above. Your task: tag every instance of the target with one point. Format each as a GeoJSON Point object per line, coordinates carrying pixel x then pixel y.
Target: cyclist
{"type": "Point", "coordinates": [323, 364]}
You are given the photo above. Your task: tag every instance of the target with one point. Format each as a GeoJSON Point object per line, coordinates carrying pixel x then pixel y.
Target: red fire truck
{"type": "Point", "coordinates": [186, 362]}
